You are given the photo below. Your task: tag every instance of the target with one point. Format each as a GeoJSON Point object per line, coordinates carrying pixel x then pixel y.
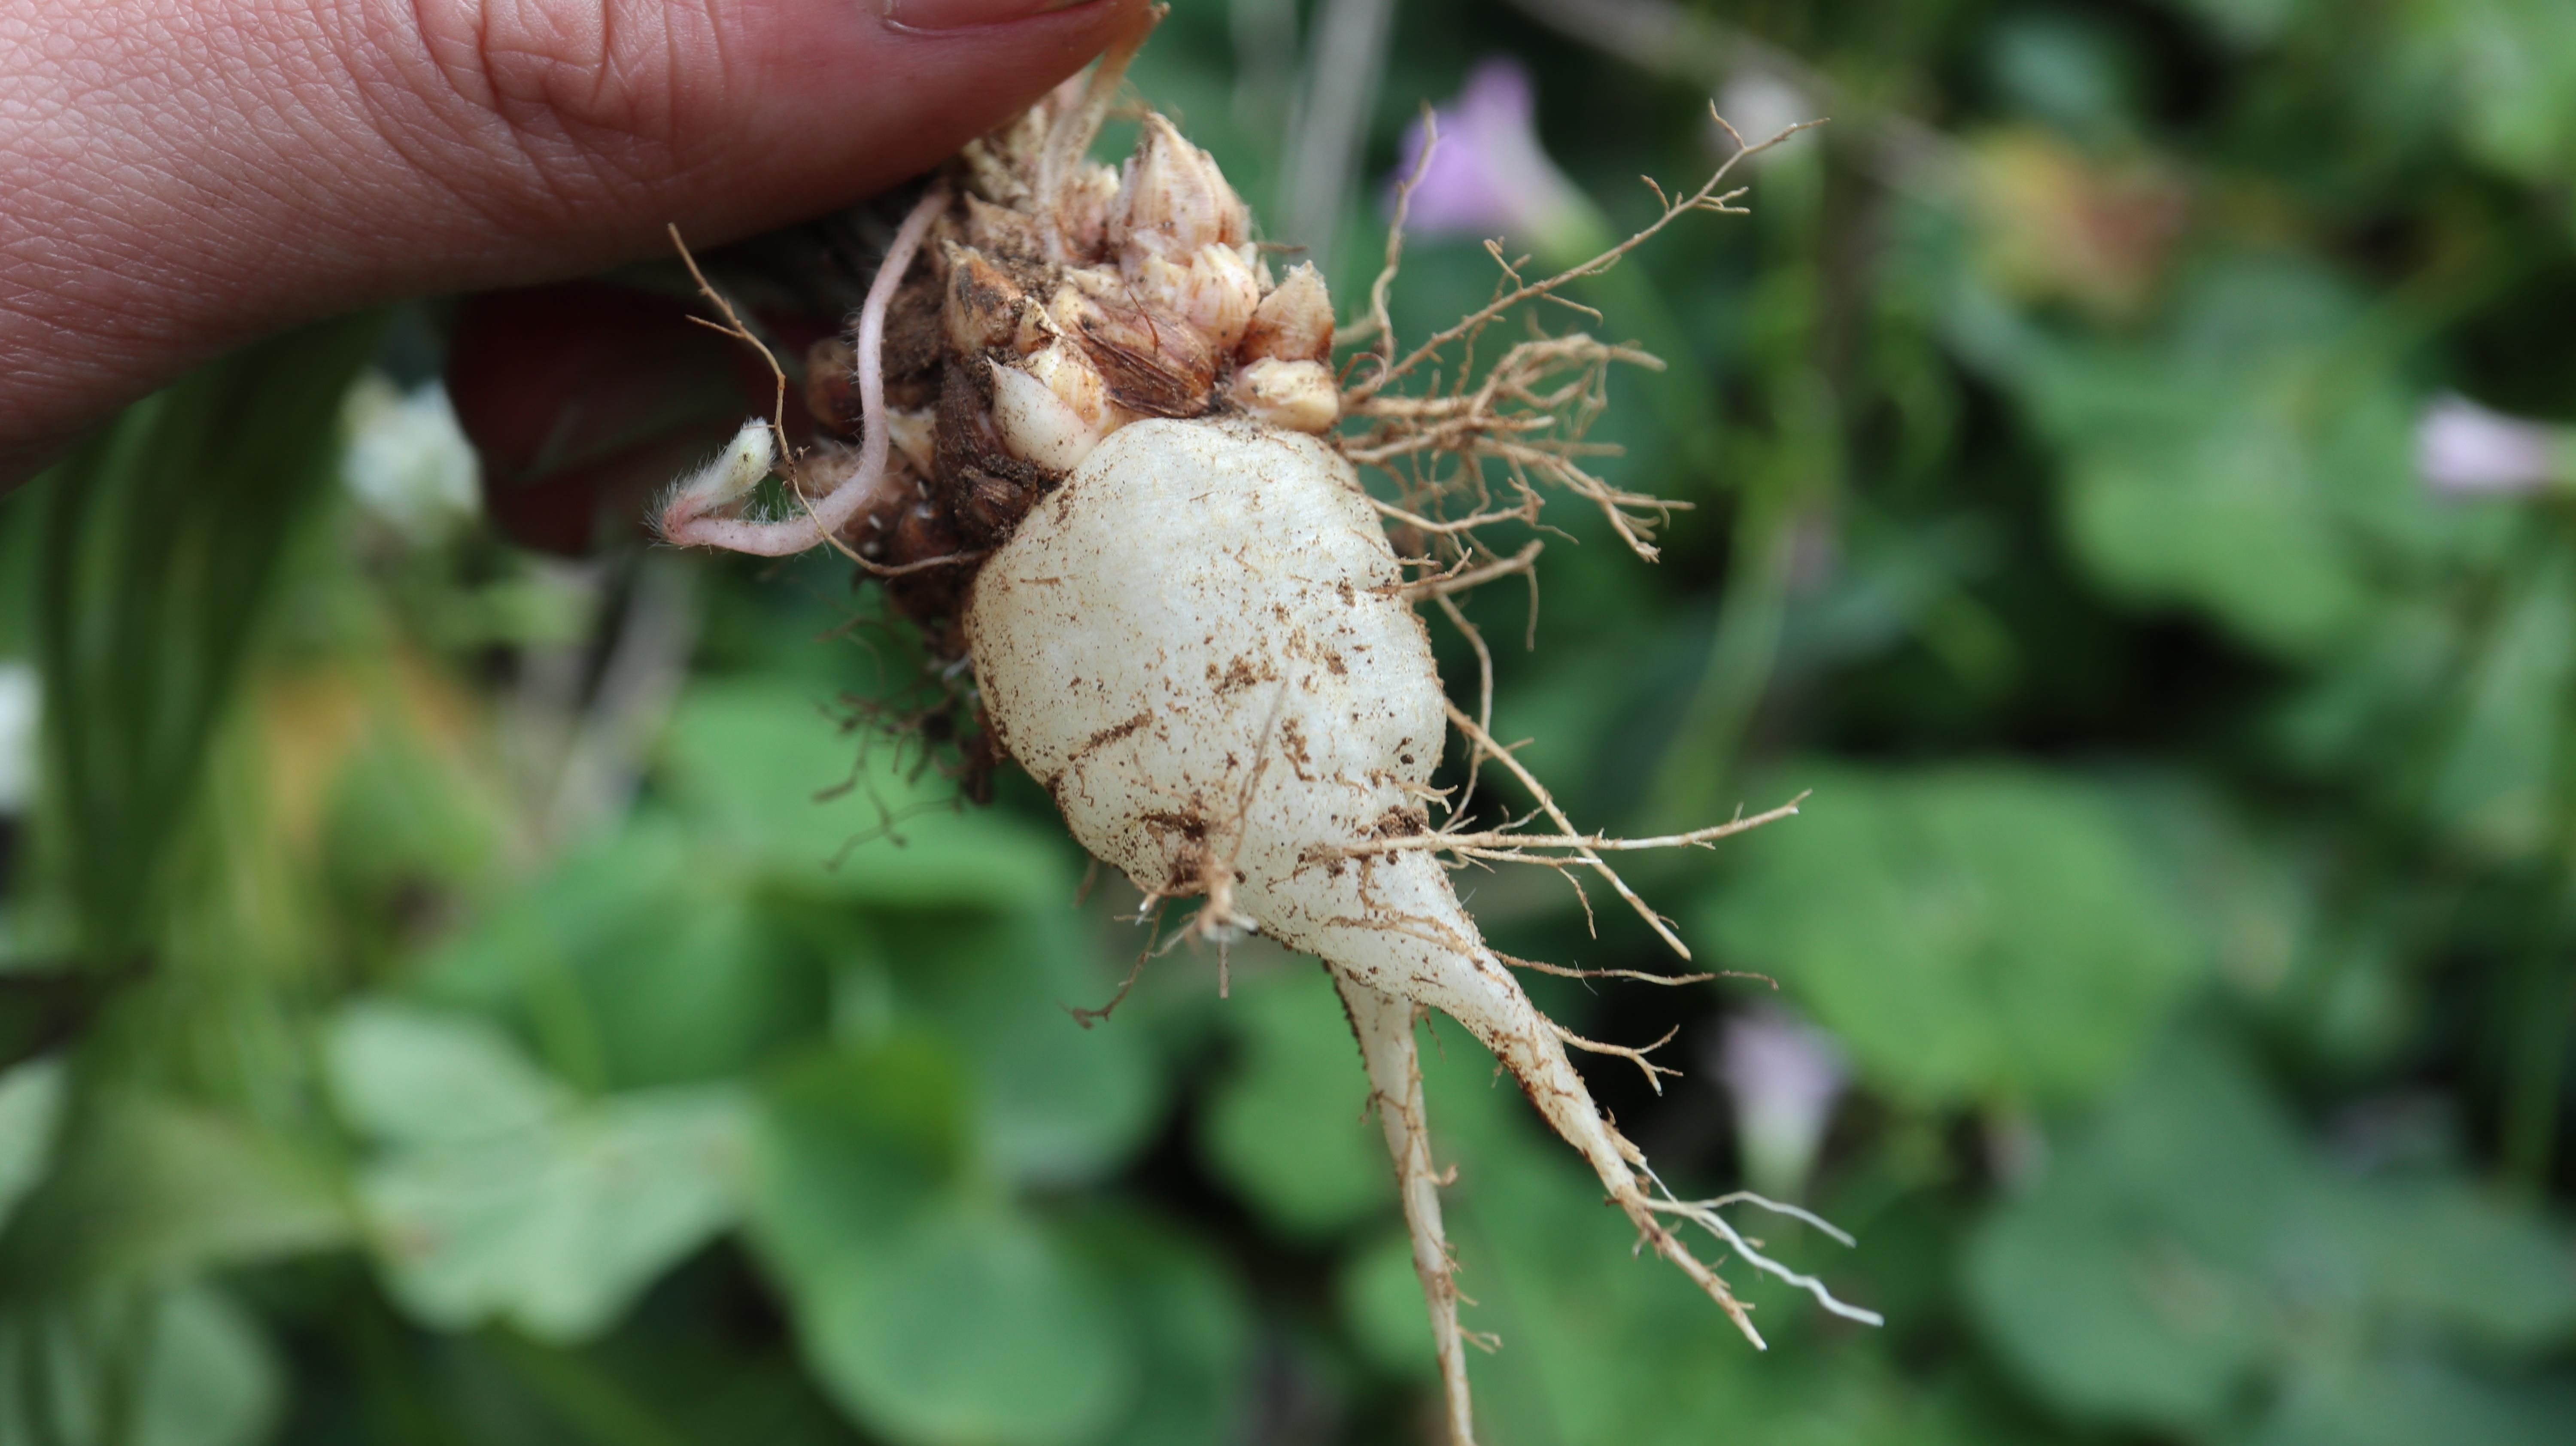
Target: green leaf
{"type": "Point", "coordinates": [31, 1103]}
{"type": "Point", "coordinates": [1057, 1104]}
{"type": "Point", "coordinates": [1286, 1127]}
{"type": "Point", "coordinates": [1191, 1325]}
{"type": "Point", "coordinates": [970, 1326]}
{"type": "Point", "coordinates": [2250, 461]}
{"type": "Point", "coordinates": [149, 1189]}
{"type": "Point", "coordinates": [401, 810]}
{"type": "Point", "coordinates": [2108, 1325]}
{"type": "Point", "coordinates": [1382, 1304]}
{"type": "Point", "coordinates": [2186, 1259]}
{"type": "Point", "coordinates": [557, 1228]}
{"type": "Point", "coordinates": [167, 1367]}
{"type": "Point", "coordinates": [783, 791]}
{"type": "Point", "coordinates": [2132, 1285]}
{"type": "Point", "coordinates": [2414, 1401]}
{"type": "Point", "coordinates": [410, 1075]}
{"type": "Point", "coordinates": [503, 1197]}
{"type": "Point", "coordinates": [933, 1310]}
{"type": "Point", "coordinates": [1971, 934]}
{"type": "Point", "coordinates": [2445, 1257]}
{"type": "Point", "coordinates": [2495, 787]}
{"type": "Point", "coordinates": [2512, 69]}
{"type": "Point", "coordinates": [852, 1144]}
{"type": "Point", "coordinates": [695, 988]}
{"type": "Point", "coordinates": [634, 963]}
{"type": "Point", "coordinates": [162, 547]}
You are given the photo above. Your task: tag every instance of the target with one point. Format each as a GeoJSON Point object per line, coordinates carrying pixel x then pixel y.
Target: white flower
{"type": "Point", "coordinates": [19, 693]}
{"type": "Point", "coordinates": [407, 460]}
{"type": "Point", "coordinates": [1760, 105]}
{"type": "Point", "coordinates": [2463, 449]}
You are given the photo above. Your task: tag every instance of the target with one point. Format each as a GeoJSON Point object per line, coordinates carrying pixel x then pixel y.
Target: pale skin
{"type": "Point", "coordinates": [185, 176]}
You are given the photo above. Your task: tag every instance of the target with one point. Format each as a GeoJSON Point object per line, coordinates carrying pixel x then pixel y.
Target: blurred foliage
{"type": "Point", "coordinates": [1973, 936]}
{"type": "Point", "coordinates": [452, 995]}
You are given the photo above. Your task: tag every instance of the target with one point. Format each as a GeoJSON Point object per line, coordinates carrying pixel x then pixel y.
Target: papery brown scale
{"type": "Point", "coordinates": [983, 488]}
{"type": "Point", "coordinates": [983, 304]}
{"type": "Point", "coordinates": [1160, 367]}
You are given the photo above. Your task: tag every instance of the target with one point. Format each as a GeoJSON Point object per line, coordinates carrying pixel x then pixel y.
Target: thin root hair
{"type": "Point", "coordinates": [1703, 1213]}
{"type": "Point", "coordinates": [1529, 412]}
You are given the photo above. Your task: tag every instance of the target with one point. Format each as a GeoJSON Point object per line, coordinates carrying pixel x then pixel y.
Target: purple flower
{"type": "Point", "coordinates": [1785, 1076]}
{"type": "Point", "coordinates": [2463, 449]}
{"type": "Point", "coordinates": [1488, 176]}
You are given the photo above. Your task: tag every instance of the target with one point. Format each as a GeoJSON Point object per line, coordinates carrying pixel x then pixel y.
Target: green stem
{"type": "Point", "coordinates": [2546, 1004]}
{"type": "Point", "coordinates": [2546, 1001]}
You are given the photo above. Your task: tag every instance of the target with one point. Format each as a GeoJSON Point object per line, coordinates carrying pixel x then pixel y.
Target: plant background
{"type": "Point", "coordinates": [458, 995]}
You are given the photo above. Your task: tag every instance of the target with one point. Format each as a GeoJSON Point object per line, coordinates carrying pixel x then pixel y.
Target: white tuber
{"type": "Point", "coordinates": [1200, 645]}
{"type": "Point", "coordinates": [1126, 505]}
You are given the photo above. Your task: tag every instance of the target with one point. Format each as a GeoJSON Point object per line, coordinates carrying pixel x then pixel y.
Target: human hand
{"type": "Point", "coordinates": [182, 176]}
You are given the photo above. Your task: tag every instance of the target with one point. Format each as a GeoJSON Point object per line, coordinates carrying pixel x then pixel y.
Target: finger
{"type": "Point", "coordinates": [186, 176]}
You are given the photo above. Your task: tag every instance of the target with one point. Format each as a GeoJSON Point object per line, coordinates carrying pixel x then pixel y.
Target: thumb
{"type": "Point", "coordinates": [187, 175]}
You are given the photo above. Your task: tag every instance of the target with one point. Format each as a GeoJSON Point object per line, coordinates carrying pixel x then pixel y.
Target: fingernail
{"type": "Point", "coordinates": [959, 14]}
